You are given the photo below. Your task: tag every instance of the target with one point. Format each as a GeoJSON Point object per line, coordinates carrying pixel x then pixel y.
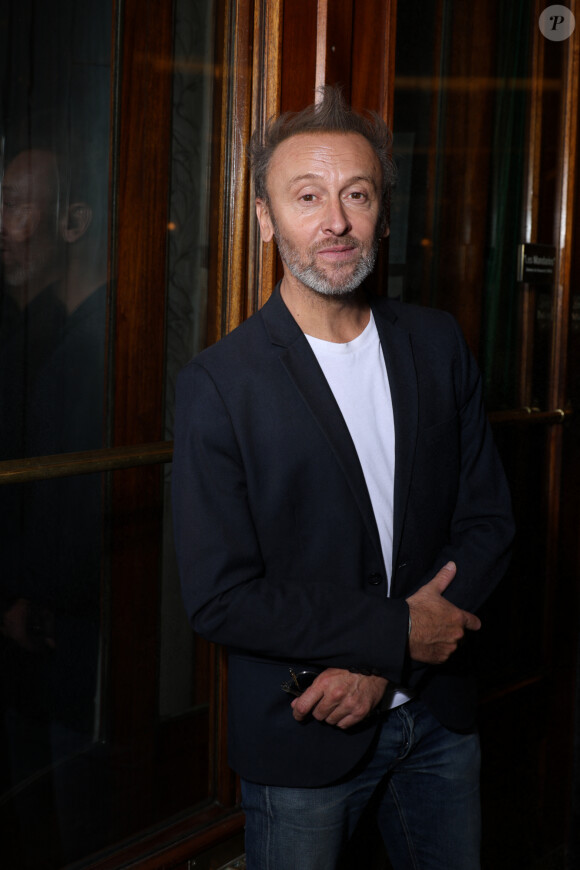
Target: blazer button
{"type": "Point", "coordinates": [375, 579]}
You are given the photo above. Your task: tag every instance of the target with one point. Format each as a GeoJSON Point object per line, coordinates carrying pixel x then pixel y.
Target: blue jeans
{"type": "Point", "coordinates": [424, 781]}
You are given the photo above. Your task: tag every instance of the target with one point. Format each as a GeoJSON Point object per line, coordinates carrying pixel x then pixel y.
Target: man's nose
{"type": "Point", "coordinates": [336, 220]}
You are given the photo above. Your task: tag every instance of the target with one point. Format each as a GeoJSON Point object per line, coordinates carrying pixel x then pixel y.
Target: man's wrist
{"type": "Point", "coordinates": [365, 672]}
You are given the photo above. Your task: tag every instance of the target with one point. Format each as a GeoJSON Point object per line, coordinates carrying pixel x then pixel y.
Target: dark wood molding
{"type": "Point", "coordinates": [141, 216]}
{"type": "Point", "coordinates": [266, 85]}
{"type": "Point", "coordinates": [174, 844]}
{"type": "Point", "coordinates": [86, 462]}
{"type": "Point", "coordinates": [230, 170]}
{"type": "Point", "coordinates": [530, 208]}
{"type": "Point", "coordinates": [563, 235]}
{"type": "Point", "coordinates": [143, 105]}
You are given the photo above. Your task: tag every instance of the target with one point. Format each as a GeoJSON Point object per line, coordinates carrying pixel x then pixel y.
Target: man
{"type": "Point", "coordinates": [340, 513]}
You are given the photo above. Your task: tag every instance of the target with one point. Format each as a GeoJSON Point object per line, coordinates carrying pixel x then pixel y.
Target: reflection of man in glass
{"type": "Point", "coordinates": [31, 239]}
{"type": "Point", "coordinates": [52, 250]}
{"type": "Point", "coordinates": [41, 240]}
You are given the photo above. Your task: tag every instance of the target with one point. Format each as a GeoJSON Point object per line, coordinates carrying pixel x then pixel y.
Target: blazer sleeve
{"type": "Point", "coordinates": [232, 596]}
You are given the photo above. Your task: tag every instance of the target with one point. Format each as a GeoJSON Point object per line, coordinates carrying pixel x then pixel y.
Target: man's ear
{"type": "Point", "coordinates": [76, 222]}
{"type": "Point", "coordinates": [383, 228]}
{"type": "Point", "coordinates": [265, 221]}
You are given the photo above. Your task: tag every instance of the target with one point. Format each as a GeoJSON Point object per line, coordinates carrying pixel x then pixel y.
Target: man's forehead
{"type": "Point", "coordinates": [31, 172]}
{"type": "Point", "coordinates": [15, 185]}
{"type": "Point", "coordinates": [309, 154]}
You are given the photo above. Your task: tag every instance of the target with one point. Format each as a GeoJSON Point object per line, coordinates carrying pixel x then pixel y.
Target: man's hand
{"type": "Point", "coordinates": [340, 697]}
{"type": "Point", "coordinates": [437, 626]}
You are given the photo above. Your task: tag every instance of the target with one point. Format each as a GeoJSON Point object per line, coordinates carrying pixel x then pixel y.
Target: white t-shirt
{"type": "Point", "coordinates": [357, 375]}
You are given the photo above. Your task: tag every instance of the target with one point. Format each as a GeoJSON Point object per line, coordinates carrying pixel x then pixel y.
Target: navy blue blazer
{"type": "Point", "coordinates": [277, 543]}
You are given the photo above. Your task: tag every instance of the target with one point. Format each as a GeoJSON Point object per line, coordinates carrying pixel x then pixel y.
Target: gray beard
{"type": "Point", "coordinates": [314, 278]}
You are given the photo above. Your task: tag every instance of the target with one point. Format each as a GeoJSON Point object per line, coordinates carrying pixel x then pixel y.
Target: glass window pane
{"type": "Point", "coordinates": [186, 309]}
{"type": "Point", "coordinates": [462, 96]}
{"type": "Point", "coordinates": [54, 135]}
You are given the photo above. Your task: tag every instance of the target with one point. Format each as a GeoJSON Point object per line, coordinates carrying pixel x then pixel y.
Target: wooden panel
{"type": "Point", "coordinates": [562, 570]}
{"type": "Point", "coordinates": [335, 44]}
{"type": "Point", "coordinates": [564, 219]}
{"type": "Point", "coordinates": [530, 208]}
{"type": "Point", "coordinates": [215, 300]}
{"type": "Point", "coordinates": [231, 300]}
{"type": "Point", "coordinates": [267, 80]}
{"type": "Point", "coordinates": [143, 122]}
{"type": "Point", "coordinates": [299, 39]}
{"type": "Point", "coordinates": [229, 224]}
{"type": "Point", "coordinates": [176, 844]}
{"type": "Point", "coordinates": [141, 216]}
{"type": "Point", "coordinates": [371, 82]}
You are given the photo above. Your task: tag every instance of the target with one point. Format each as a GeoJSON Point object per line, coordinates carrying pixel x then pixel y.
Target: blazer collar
{"type": "Point", "coordinates": [281, 327]}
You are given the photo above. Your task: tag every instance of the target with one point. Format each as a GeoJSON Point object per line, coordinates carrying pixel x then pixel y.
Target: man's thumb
{"type": "Point", "coordinates": [443, 577]}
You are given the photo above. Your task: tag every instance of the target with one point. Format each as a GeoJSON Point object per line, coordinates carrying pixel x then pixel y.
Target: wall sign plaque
{"type": "Point", "coordinates": [536, 263]}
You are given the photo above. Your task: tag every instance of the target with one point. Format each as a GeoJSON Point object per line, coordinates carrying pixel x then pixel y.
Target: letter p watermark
{"type": "Point", "coordinates": [557, 23]}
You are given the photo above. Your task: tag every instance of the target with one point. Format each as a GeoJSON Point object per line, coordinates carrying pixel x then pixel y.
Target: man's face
{"type": "Point", "coordinates": [324, 207]}
{"type": "Point", "coordinates": [29, 238]}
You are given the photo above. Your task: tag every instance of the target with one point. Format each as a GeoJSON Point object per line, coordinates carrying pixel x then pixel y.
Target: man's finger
{"type": "Point", "coordinates": [443, 577]}
{"type": "Point", "coordinates": [305, 704]}
{"type": "Point", "coordinates": [472, 622]}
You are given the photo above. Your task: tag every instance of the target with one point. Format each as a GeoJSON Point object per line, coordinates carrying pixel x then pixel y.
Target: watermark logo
{"type": "Point", "coordinates": [557, 23]}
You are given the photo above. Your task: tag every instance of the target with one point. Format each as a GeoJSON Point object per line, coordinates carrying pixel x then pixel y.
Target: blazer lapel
{"type": "Point", "coordinates": [398, 350]}
{"type": "Point", "coordinates": [302, 367]}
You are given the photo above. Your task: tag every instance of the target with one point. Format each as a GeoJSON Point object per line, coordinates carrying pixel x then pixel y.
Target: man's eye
{"type": "Point", "coordinates": [357, 194]}
{"type": "Point", "coordinates": [308, 197]}
{"type": "Point", "coordinates": [20, 206]}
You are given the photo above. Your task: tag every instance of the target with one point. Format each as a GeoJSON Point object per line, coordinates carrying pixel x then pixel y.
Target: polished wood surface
{"type": "Point", "coordinates": [142, 94]}
{"type": "Point", "coordinates": [530, 209]}
{"type": "Point", "coordinates": [267, 72]}
{"type": "Point", "coordinates": [87, 462]}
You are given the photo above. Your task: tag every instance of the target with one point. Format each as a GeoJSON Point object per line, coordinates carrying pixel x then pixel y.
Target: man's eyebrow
{"type": "Point", "coordinates": [368, 178]}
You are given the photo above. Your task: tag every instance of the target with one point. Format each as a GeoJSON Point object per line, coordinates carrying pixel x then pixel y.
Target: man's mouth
{"type": "Point", "coordinates": [337, 253]}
